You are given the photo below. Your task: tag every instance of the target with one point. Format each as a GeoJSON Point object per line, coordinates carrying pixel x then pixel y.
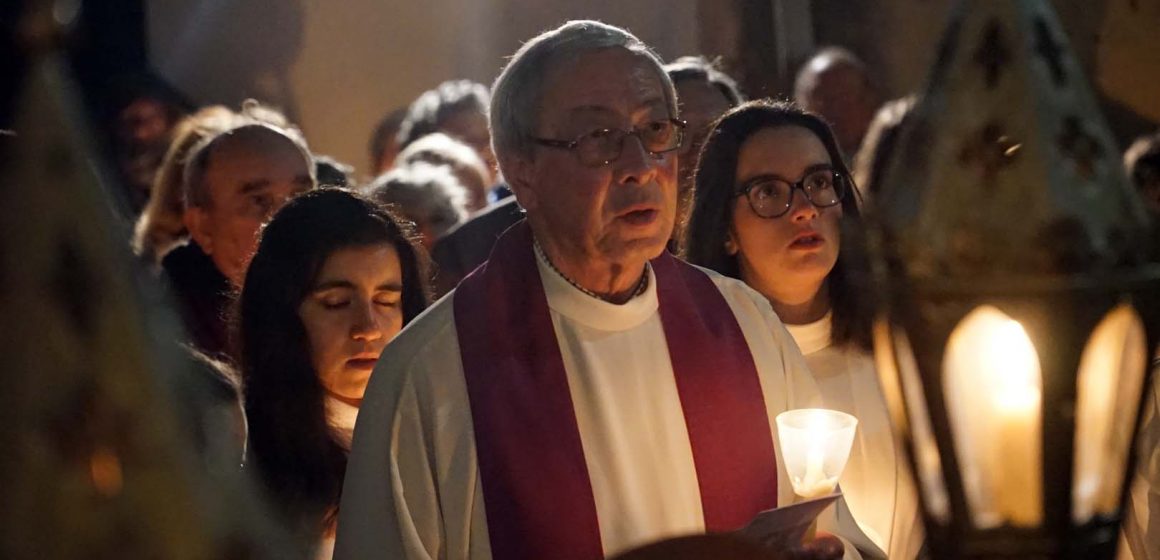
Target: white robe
{"type": "Point", "coordinates": [876, 483]}
{"type": "Point", "coordinates": [341, 417]}
{"type": "Point", "coordinates": [413, 488]}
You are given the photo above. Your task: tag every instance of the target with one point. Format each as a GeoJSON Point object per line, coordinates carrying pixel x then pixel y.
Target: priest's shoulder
{"type": "Point", "coordinates": [428, 338]}
{"type": "Point", "coordinates": [741, 298]}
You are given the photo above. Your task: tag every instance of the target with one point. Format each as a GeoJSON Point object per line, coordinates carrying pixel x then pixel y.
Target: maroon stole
{"type": "Point", "coordinates": [537, 493]}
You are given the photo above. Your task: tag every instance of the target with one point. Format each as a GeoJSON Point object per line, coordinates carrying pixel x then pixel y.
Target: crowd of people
{"type": "Point", "coordinates": [583, 390]}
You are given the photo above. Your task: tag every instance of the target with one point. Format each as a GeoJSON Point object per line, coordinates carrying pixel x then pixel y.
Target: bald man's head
{"type": "Point", "coordinates": [835, 84]}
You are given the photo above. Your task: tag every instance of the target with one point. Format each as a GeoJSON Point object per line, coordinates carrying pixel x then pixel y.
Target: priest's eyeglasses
{"type": "Point", "coordinates": [604, 146]}
{"type": "Point", "coordinates": [772, 197]}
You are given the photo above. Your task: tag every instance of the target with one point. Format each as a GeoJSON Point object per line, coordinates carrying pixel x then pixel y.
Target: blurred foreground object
{"type": "Point", "coordinates": [100, 407]}
{"type": "Point", "coordinates": [1022, 295]}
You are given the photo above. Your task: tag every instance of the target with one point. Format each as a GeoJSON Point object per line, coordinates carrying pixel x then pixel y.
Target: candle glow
{"type": "Point", "coordinates": [815, 447]}
{"type": "Point", "coordinates": [993, 391]}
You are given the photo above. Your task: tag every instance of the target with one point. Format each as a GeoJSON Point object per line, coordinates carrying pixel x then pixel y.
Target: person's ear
{"type": "Point", "coordinates": [730, 244]}
{"type": "Point", "coordinates": [197, 222]}
{"type": "Point", "coordinates": [520, 174]}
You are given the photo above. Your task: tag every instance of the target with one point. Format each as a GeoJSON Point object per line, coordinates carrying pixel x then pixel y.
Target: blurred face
{"type": "Point", "coordinates": [351, 312]}
{"type": "Point", "coordinates": [701, 104]}
{"type": "Point", "coordinates": [620, 212]}
{"type": "Point", "coordinates": [143, 130]}
{"type": "Point", "coordinates": [248, 179]}
{"type": "Point", "coordinates": [840, 94]}
{"type": "Point", "coordinates": [470, 127]}
{"type": "Point", "coordinates": [792, 254]}
{"type": "Point", "coordinates": [143, 122]}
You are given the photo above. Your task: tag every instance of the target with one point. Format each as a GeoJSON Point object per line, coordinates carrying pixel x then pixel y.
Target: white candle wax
{"type": "Point", "coordinates": [815, 483]}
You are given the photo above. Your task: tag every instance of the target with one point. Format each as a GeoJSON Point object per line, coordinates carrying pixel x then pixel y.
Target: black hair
{"type": "Point", "coordinates": [716, 181]}
{"type": "Point", "coordinates": [333, 173]}
{"type": "Point", "coordinates": [292, 446]}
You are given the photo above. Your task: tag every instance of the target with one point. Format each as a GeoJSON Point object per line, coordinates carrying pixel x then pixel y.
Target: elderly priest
{"type": "Point", "coordinates": [583, 392]}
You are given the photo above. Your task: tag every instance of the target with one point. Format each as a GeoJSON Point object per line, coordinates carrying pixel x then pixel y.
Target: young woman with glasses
{"type": "Point", "coordinates": [771, 193]}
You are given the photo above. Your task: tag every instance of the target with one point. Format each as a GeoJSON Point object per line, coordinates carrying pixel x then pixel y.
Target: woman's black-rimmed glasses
{"type": "Point", "coordinates": [772, 197]}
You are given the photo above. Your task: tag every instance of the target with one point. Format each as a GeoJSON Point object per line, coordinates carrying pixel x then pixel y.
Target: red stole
{"type": "Point", "coordinates": [535, 481]}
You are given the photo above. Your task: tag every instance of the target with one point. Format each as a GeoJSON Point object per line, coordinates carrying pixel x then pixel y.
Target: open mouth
{"type": "Point", "coordinates": [641, 217]}
{"type": "Point", "coordinates": [808, 241]}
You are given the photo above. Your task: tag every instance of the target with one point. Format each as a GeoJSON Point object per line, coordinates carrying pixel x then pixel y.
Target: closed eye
{"type": "Point", "coordinates": [389, 295]}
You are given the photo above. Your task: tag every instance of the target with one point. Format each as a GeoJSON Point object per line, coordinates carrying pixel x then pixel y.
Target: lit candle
{"type": "Point", "coordinates": [1013, 371]}
{"type": "Point", "coordinates": [815, 445]}
{"type": "Point", "coordinates": [994, 395]}
{"type": "Point", "coordinates": [815, 483]}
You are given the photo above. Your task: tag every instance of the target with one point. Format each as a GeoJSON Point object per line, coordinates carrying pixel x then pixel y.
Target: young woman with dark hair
{"type": "Point", "coordinates": [335, 277]}
{"type": "Point", "coordinates": [771, 195]}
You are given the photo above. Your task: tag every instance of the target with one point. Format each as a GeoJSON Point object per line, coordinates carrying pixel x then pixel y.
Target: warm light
{"type": "Point", "coordinates": [105, 471]}
{"type": "Point", "coordinates": [993, 389]}
{"type": "Point", "coordinates": [1111, 376]}
{"type": "Point", "coordinates": [926, 455]}
{"type": "Point", "coordinates": [815, 444]}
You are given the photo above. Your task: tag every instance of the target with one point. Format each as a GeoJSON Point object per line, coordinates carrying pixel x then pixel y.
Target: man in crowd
{"type": "Point", "coordinates": [234, 183]}
{"type": "Point", "coordinates": [145, 112]}
{"type": "Point", "coordinates": [583, 393]}
{"type": "Point", "coordinates": [457, 108]}
{"type": "Point", "coordinates": [705, 93]}
{"type": "Point", "coordinates": [835, 84]}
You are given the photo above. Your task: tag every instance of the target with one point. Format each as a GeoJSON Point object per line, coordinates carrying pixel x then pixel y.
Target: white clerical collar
{"type": "Point", "coordinates": [341, 416]}
{"type": "Point", "coordinates": [814, 336]}
{"type": "Point", "coordinates": [566, 299]}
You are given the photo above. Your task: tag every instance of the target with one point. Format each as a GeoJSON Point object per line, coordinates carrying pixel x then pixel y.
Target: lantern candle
{"type": "Point", "coordinates": [1013, 369]}
{"type": "Point", "coordinates": [994, 395]}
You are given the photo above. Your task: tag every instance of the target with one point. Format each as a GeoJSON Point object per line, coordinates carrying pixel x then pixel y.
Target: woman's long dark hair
{"type": "Point", "coordinates": [291, 446]}
{"type": "Point", "coordinates": [713, 200]}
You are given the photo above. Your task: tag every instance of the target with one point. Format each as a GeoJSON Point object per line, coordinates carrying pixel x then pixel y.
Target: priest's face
{"type": "Point", "coordinates": [789, 256]}
{"type": "Point", "coordinates": [619, 210]}
{"type": "Point", "coordinates": [353, 309]}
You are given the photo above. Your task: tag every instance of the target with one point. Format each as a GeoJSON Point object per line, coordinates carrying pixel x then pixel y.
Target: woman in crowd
{"type": "Point", "coordinates": [161, 224]}
{"type": "Point", "coordinates": [335, 277]}
{"type": "Point", "coordinates": [749, 221]}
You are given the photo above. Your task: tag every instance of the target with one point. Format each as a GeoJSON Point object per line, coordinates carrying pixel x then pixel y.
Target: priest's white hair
{"type": "Point", "coordinates": [515, 97]}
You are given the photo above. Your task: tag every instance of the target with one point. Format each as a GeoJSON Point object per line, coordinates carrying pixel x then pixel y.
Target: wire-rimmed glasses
{"type": "Point", "coordinates": [603, 146]}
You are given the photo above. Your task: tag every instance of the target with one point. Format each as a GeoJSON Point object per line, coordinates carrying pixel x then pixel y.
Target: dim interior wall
{"type": "Point", "coordinates": [337, 67]}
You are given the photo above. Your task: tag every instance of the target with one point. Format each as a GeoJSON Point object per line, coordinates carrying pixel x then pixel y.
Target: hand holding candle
{"type": "Point", "coordinates": [815, 444]}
